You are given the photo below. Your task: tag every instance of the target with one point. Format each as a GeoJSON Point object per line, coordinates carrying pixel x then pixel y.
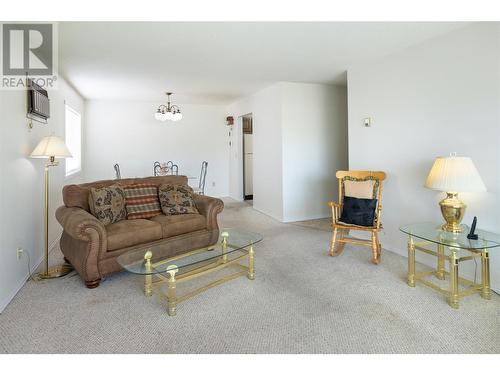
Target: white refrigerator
{"type": "Point", "coordinates": [248, 164]}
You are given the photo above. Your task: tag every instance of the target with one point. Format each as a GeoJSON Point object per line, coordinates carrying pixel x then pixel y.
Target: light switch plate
{"type": "Point", "coordinates": [368, 121]}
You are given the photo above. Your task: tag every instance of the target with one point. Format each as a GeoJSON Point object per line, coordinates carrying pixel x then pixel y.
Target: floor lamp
{"type": "Point", "coordinates": [51, 147]}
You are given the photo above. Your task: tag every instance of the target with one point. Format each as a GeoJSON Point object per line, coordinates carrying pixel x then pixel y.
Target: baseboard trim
{"type": "Point", "coordinates": [36, 264]}
{"type": "Point", "coordinates": [306, 218]}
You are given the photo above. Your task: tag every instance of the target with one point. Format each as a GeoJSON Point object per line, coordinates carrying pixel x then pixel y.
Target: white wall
{"type": "Point", "coordinates": [267, 152]}
{"type": "Point", "coordinates": [314, 148]}
{"type": "Point", "coordinates": [300, 140]}
{"type": "Point", "coordinates": [21, 198]}
{"type": "Point", "coordinates": [439, 97]}
{"type": "Point", "coordinates": [265, 107]}
{"type": "Point", "coordinates": [127, 133]}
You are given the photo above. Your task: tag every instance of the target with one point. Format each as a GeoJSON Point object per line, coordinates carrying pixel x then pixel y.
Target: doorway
{"type": "Point", "coordinates": [247, 125]}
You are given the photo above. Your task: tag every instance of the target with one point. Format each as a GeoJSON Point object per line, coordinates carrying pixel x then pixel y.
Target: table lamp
{"type": "Point", "coordinates": [51, 147]}
{"type": "Point", "coordinates": [454, 174]}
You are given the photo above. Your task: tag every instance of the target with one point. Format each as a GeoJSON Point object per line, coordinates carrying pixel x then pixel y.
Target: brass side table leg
{"type": "Point", "coordinates": [411, 262]}
{"type": "Point", "coordinates": [171, 295]}
{"type": "Point", "coordinates": [440, 262]}
{"type": "Point", "coordinates": [148, 278]}
{"type": "Point", "coordinates": [485, 275]}
{"type": "Point", "coordinates": [453, 298]}
{"type": "Point", "coordinates": [251, 273]}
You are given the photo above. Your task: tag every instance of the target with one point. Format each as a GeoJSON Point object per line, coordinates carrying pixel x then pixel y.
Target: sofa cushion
{"type": "Point", "coordinates": [107, 204]}
{"type": "Point", "coordinates": [176, 199]}
{"type": "Point", "coordinates": [174, 225]}
{"type": "Point", "coordinates": [127, 233]}
{"type": "Point", "coordinates": [142, 201]}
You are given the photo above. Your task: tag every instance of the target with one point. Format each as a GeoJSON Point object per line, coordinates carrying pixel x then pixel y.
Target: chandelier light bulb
{"type": "Point", "coordinates": [169, 115]}
{"type": "Point", "coordinates": [177, 116]}
{"type": "Point", "coordinates": [158, 115]}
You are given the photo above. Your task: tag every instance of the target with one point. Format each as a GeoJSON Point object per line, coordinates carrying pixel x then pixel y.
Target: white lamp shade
{"type": "Point", "coordinates": [51, 146]}
{"type": "Point", "coordinates": [454, 174]}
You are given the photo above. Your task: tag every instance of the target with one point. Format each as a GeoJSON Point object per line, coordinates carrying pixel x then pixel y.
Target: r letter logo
{"type": "Point", "coordinates": [27, 49]}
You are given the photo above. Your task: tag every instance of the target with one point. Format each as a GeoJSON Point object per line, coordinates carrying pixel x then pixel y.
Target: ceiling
{"type": "Point", "coordinates": [208, 62]}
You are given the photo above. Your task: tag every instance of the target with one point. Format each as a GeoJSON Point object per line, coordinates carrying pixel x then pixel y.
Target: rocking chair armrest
{"type": "Point", "coordinates": [335, 210]}
{"type": "Point", "coordinates": [333, 204]}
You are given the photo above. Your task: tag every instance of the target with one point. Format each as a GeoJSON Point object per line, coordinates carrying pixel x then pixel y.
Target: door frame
{"type": "Point", "coordinates": [245, 196]}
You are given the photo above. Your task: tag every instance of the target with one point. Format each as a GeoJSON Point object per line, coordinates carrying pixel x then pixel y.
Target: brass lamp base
{"type": "Point", "coordinates": [55, 272]}
{"type": "Point", "coordinates": [453, 210]}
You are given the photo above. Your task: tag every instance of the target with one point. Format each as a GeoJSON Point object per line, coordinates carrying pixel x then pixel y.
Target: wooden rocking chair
{"type": "Point", "coordinates": [357, 184]}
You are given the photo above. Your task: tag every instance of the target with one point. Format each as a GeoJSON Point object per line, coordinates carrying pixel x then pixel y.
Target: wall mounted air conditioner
{"type": "Point", "coordinates": [38, 102]}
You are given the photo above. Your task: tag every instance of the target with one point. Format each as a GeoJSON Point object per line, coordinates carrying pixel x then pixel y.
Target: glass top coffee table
{"type": "Point", "coordinates": [231, 249]}
{"type": "Point", "coordinates": [451, 248]}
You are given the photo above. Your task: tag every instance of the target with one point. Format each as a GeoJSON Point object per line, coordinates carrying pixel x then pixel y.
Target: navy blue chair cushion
{"type": "Point", "coordinates": [358, 211]}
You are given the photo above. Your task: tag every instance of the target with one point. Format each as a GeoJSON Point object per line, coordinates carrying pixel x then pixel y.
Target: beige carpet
{"type": "Point", "coordinates": [302, 301]}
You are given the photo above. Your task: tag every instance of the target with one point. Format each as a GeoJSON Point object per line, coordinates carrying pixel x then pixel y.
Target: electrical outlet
{"type": "Point", "coordinates": [19, 252]}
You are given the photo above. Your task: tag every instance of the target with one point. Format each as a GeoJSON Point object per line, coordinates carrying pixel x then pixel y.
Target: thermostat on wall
{"type": "Point", "coordinates": [368, 121]}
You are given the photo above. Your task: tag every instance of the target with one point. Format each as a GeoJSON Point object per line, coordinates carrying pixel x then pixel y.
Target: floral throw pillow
{"type": "Point", "coordinates": [176, 199]}
{"type": "Point", "coordinates": [107, 204]}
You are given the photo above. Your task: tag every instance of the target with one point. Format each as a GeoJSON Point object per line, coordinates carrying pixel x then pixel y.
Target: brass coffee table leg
{"type": "Point", "coordinates": [485, 271]}
{"type": "Point", "coordinates": [171, 295]}
{"type": "Point", "coordinates": [251, 273]}
{"type": "Point", "coordinates": [148, 278]}
{"type": "Point", "coordinates": [440, 262]}
{"type": "Point", "coordinates": [411, 262]}
{"type": "Point", "coordinates": [453, 299]}
{"type": "Point", "coordinates": [224, 236]}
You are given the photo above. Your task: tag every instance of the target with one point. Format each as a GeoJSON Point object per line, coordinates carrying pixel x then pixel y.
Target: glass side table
{"type": "Point", "coordinates": [453, 248]}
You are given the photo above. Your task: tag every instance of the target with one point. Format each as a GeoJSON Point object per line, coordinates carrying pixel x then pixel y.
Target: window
{"type": "Point", "coordinates": [73, 123]}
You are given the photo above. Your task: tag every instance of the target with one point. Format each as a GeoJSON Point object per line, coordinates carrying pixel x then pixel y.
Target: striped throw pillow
{"type": "Point", "coordinates": [141, 201]}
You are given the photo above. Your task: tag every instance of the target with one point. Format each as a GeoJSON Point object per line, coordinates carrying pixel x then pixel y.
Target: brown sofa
{"type": "Point", "coordinates": [92, 248]}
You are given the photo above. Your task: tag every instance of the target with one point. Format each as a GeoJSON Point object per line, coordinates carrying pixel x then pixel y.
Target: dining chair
{"type": "Point", "coordinates": [172, 168]}
{"type": "Point", "coordinates": [365, 186]}
{"type": "Point", "coordinates": [117, 171]}
{"type": "Point", "coordinates": [156, 168]}
{"type": "Point", "coordinates": [201, 183]}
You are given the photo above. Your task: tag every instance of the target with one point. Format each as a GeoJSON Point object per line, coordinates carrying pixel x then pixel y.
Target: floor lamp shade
{"type": "Point", "coordinates": [51, 146]}
{"type": "Point", "coordinates": [453, 175]}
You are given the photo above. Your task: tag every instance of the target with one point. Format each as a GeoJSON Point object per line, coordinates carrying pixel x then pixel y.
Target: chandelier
{"type": "Point", "coordinates": [168, 112]}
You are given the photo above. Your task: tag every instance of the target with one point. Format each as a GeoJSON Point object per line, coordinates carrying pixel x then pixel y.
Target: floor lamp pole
{"type": "Point", "coordinates": [51, 273]}
{"type": "Point", "coordinates": [46, 218]}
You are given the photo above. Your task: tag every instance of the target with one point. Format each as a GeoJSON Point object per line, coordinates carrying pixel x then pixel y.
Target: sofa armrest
{"type": "Point", "coordinates": [210, 208]}
{"type": "Point", "coordinates": [83, 243]}
{"type": "Point", "coordinates": [79, 224]}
